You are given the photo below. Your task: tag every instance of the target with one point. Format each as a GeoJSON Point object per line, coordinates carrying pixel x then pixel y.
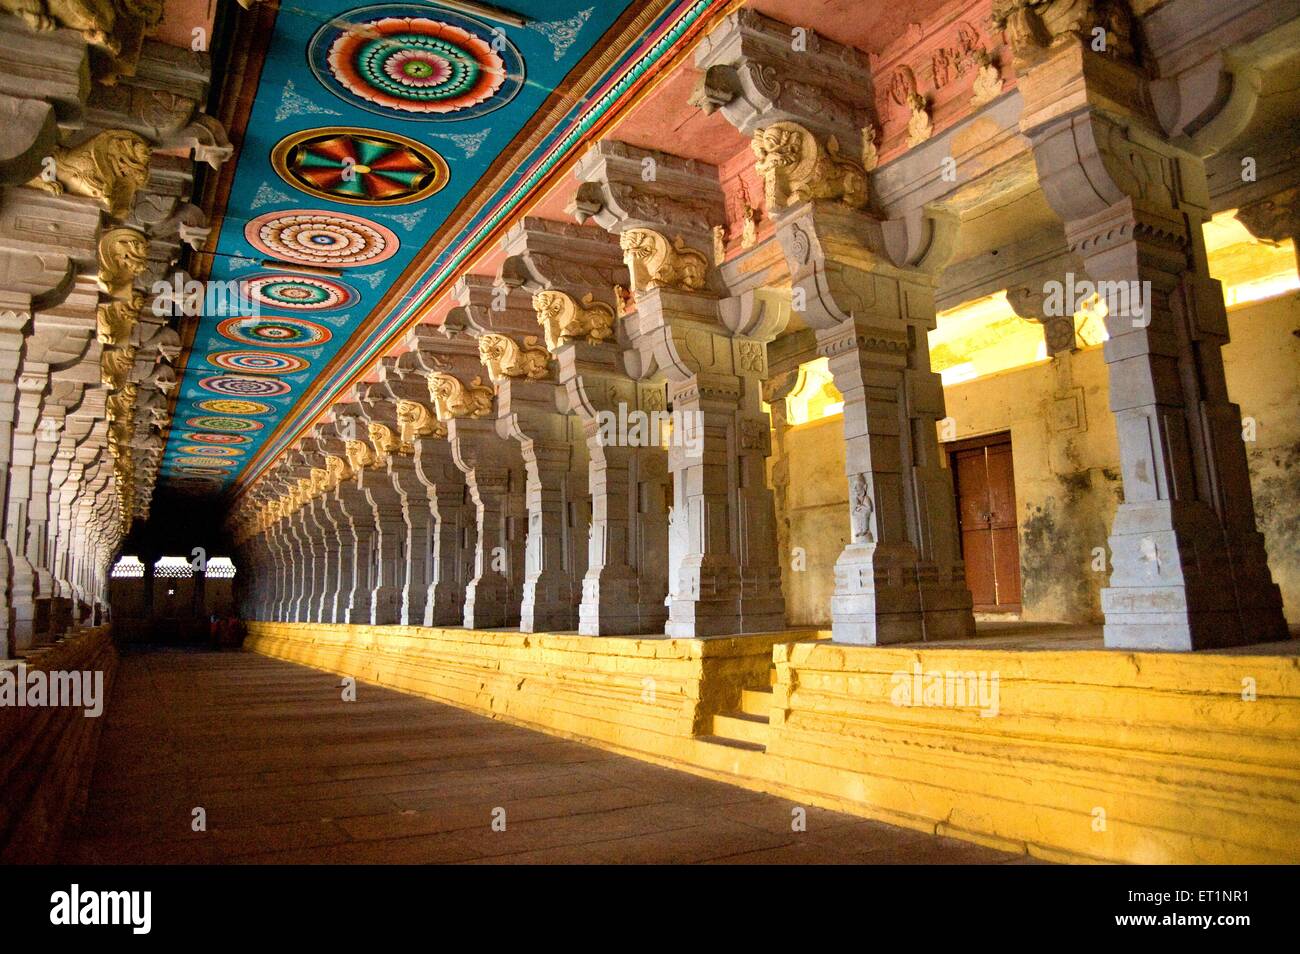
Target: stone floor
{"type": "Point", "coordinates": [286, 771]}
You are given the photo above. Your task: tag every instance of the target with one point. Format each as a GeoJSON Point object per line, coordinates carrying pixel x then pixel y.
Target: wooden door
{"type": "Point", "coordinates": [984, 480]}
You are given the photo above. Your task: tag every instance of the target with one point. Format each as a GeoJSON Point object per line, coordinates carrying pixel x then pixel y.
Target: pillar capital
{"type": "Point", "coordinates": [759, 71]}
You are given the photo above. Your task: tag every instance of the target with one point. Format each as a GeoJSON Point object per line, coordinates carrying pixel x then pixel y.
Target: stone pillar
{"type": "Point", "coordinates": [1189, 566]}
{"type": "Point", "coordinates": [712, 350]}
{"type": "Point", "coordinates": [571, 273]}
{"type": "Point", "coordinates": [866, 288]}
{"type": "Point", "coordinates": [529, 412]}
{"type": "Point", "coordinates": [452, 544]}
{"type": "Point", "coordinates": [901, 578]}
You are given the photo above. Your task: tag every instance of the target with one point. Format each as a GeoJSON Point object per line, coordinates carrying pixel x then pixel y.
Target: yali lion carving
{"type": "Point", "coordinates": [452, 399]}
{"type": "Point", "coordinates": [796, 168]}
{"type": "Point", "coordinates": [654, 262]}
{"type": "Point", "coordinates": [109, 168]}
{"type": "Point", "coordinates": [506, 358]}
{"type": "Point", "coordinates": [564, 319]}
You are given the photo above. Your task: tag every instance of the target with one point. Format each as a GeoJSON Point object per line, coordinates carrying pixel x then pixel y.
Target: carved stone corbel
{"type": "Point", "coordinates": [797, 168]}
{"type": "Point", "coordinates": [506, 358]}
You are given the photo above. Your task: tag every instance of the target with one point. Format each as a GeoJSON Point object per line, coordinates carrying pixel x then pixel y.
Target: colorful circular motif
{"type": "Point", "coordinates": [257, 362]}
{"type": "Point", "coordinates": [206, 450]}
{"type": "Point", "coordinates": [278, 332]}
{"type": "Point", "coordinates": [204, 438]}
{"type": "Point", "coordinates": [235, 424]}
{"type": "Point", "coordinates": [299, 292]}
{"type": "Point", "coordinates": [225, 406]}
{"type": "Point", "coordinates": [332, 239]}
{"type": "Point", "coordinates": [359, 166]}
{"type": "Point", "coordinates": [394, 59]}
{"type": "Point", "coordinates": [191, 463]}
{"type": "Point", "coordinates": [237, 386]}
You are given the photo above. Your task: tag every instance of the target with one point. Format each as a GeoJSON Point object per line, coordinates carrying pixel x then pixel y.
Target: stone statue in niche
{"type": "Point", "coordinates": [988, 79]}
{"type": "Point", "coordinates": [860, 508]}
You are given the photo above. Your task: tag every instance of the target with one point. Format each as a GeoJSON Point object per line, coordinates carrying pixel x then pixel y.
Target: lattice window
{"type": "Point", "coordinates": [220, 568]}
{"type": "Point", "coordinates": [127, 568]}
{"type": "Point", "coordinates": [173, 568]}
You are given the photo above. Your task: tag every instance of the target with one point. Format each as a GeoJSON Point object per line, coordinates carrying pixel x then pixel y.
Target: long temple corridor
{"type": "Point", "coordinates": [289, 773]}
{"type": "Point", "coordinates": [531, 432]}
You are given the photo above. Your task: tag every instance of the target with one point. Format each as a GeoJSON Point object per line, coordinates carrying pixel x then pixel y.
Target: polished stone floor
{"type": "Point", "coordinates": [286, 771]}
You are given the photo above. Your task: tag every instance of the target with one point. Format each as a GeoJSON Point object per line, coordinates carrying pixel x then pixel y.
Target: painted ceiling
{"type": "Point", "coordinates": [369, 126]}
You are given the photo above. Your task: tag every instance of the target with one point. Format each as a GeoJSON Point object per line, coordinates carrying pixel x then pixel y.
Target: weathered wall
{"type": "Point", "coordinates": [1067, 477]}
{"type": "Point", "coordinates": [1262, 363]}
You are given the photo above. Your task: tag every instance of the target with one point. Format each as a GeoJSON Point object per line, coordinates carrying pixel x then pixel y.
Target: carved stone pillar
{"type": "Point", "coordinates": [451, 544]}
{"type": "Point", "coordinates": [529, 411]}
{"type": "Point", "coordinates": [391, 528]}
{"type": "Point", "coordinates": [463, 403]}
{"type": "Point", "coordinates": [712, 350]}
{"type": "Point", "coordinates": [900, 579]}
{"type": "Point", "coordinates": [571, 272]}
{"type": "Point", "coordinates": [1189, 566]}
{"type": "Point", "coordinates": [358, 533]}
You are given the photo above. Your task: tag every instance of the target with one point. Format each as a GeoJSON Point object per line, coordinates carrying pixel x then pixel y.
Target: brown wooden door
{"type": "Point", "coordinates": [984, 480]}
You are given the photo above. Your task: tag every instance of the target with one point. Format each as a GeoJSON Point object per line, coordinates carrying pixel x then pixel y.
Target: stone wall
{"type": "Point", "coordinates": [47, 754]}
{"type": "Point", "coordinates": [1066, 462]}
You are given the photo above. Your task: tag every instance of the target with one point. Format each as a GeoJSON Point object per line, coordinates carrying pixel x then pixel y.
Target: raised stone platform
{"type": "Point", "coordinates": [1081, 755]}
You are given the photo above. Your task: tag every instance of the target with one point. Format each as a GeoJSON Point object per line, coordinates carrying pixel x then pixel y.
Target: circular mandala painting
{"type": "Point", "coordinates": [299, 292]}
{"type": "Point", "coordinates": [206, 450]}
{"type": "Point", "coordinates": [237, 386]}
{"type": "Point", "coordinates": [205, 462]}
{"type": "Point", "coordinates": [359, 166]}
{"type": "Point", "coordinates": [204, 438]}
{"type": "Point", "coordinates": [257, 362]}
{"type": "Point", "coordinates": [236, 424]}
{"type": "Point", "coordinates": [277, 332]}
{"type": "Point", "coordinates": [223, 406]}
{"type": "Point", "coordinates": [331, 239]}
{"type": "Point", "coordinates": [397, 59]}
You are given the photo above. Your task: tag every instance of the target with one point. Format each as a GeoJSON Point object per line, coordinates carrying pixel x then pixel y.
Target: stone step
{"type": "Point", "coordinates": [733, 743]}
{"type": "Point", "coordinates": [742, 727]}
{"type": "Point", "coordinates": [756, 702]}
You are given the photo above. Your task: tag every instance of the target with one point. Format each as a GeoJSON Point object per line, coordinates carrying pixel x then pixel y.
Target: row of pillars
{"type": "Point", "coordinates": [410, 504]}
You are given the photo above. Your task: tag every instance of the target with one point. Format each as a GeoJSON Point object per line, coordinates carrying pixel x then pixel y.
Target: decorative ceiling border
{"type": "Point", "coordinates": [680, 26]}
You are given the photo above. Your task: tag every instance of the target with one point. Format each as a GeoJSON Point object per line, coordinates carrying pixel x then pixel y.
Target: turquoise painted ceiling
{"type": "Point", "coordinates": [370, 124]}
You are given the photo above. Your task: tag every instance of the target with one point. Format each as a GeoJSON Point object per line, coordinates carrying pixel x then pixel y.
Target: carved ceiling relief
{"type": "Point", "coordinates": [933, 76]}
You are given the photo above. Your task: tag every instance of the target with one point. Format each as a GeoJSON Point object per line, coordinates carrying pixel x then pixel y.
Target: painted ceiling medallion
{"type": "Point", "coordinates": [359, 166]}
{"type": "Point", "coordinates": [205, 438]}
{"type": "Point", "coordinates": [332, 239]}
{"type": "Point", "coordinates": [225, 406]}
{"type": "Point", "coordinates": [207, 450]}
{"type": "Point", "coordinates": [236, 386]}
{"type": "Point", "coordinates": [223, 424]}
{"type": "Point", "coordinates": [395, 59]}
{"type": "Point", "coordinates": [204, 462]}
{"type": "Point", "coordinates": [299, 292]}
{"type": "Point", "coordinates": [275, 332]}
{"type": "Point", "coordinates": [257, 362]}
